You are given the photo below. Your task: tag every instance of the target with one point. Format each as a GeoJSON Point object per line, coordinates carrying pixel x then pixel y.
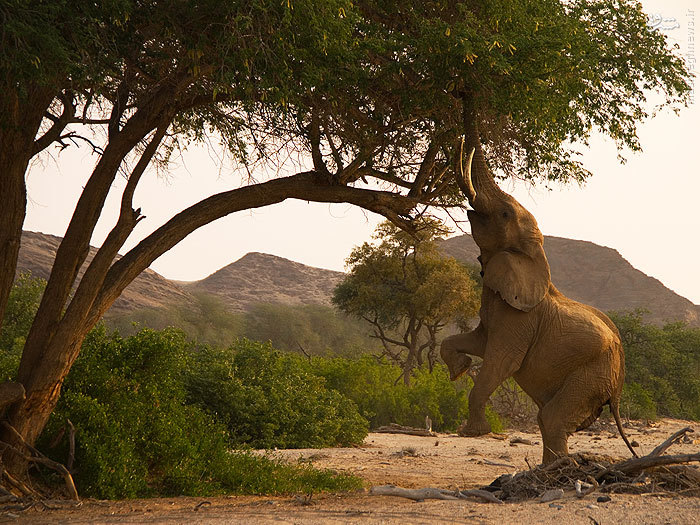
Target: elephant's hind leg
{"type": "Point", "coordinates": [562, 415]}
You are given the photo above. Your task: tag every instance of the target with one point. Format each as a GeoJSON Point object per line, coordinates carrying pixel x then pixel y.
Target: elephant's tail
{"type": "Point", "coordinates": [615, 409]}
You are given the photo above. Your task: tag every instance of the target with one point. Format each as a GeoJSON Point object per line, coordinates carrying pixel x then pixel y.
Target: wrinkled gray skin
{"type": "Point", "coordinates": [565, 355]}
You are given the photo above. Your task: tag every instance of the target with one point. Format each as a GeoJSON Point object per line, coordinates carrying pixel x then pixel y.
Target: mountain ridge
{"type": "Point", "coordinates": [583, 270]}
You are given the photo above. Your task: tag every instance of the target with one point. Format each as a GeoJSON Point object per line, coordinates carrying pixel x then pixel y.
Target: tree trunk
{"type": "Point", "coordinates": [20, 120]}
{"type": "Point", "coordinates": [18, 129]}
{"type": "Point", "coordinates": [46, 363]}
{"type": "Point", "coordinates": [14, 199]}
{"type": "Point", "coordinates": [407, 374]}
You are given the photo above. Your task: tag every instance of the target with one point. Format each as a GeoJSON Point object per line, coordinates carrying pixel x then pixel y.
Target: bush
{"type": "Point", "coordinates": [22, 305]}
{"type": "Point", "coordinates": [372, 385]}
{"type": "Point", "coordinates": [663, 367]}
{"type": "Point", "coordinates": [207, 319]}
{"type": "Point", "coordinates": [637, 403]}
{"type": "Point", "coordinates": [137, 437]}
{"type": "Point", "coordinates": [317, 329]}
{"type": "Point", "coordinates": [514, 405]}
{"type": "Point", "coordinates": [267, 399]}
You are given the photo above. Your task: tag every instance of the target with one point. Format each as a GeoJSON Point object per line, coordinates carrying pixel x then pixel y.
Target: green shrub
{"type": "Point", "coordinates": [206, 319]}
{"type": "Point", "coordinates": [662, 367]}
{"type": "Point", "coordinates": [372, 384]}
{"type": "Point", "coordinates": [317, 329]}
{"type": "Point", "coordinates": [637, 403]}
{"type": "Point", "coordinates": [21, 308]}
{"type": "Point", "coordinates": [137, 437]}
{"type": "Point", "coordinates": [369, 383]}
{"type": "Point", "coordinates": [268, 399]}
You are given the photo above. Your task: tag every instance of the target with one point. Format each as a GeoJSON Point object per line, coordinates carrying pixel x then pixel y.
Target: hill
{"type": "Point", "coordinates": [149, 290]}
{"type": "Point", "coordinates": [582, 270]}
{"type": "Point", "coordinates": [263, 278]}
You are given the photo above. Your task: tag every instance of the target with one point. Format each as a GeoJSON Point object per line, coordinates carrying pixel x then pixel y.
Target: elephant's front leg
{"type": "Point", "coordinates": [456, 349]}
{"type": "Point", "coordinates": [496, 368]}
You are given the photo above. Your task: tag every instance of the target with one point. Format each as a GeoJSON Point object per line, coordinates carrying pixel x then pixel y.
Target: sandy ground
{"type": "Point", "coordinates": [447, 462]}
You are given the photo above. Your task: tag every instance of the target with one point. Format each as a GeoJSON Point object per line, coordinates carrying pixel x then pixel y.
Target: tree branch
{"type": "Point", "coordinates": [382, 175]}
{"type": "Point", "coordinates": [59, 124]}
{"type": "Point", "coordinates": [426, 168]}
{"type": "Point", "coordinates": [74, 248]}
{"type": "Point", "coordinates": [309, 186]}
{"type": "Point", "coordinates": [334, 152]}
{"type": "Point", "coordinates": [315, 140]}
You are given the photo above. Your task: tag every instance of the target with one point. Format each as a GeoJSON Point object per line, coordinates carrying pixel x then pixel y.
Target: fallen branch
{"type": "Point", "coordinates": [18, 485]}
{"type": "Point", "coordinates": [495, 464]}
{"type": "Point", "coordinates": [479, 494]}
{"type": "Point", "coordinates": [635, 476]}
{"type": "Point", "coordinates": [633, 466]}
{"type": "Point", "coordinates": [71, 445]}
{"type": "Point", "coordinates": [414, 494]}
{"type": "Point", "coordinates": [393, 428]}
{"type": "Point", "coordinates": [675, 437]}
{"type": "Point", "coordinates": [522, 441]}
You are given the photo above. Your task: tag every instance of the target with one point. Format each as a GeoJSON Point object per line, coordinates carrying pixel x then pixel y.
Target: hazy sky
{"type": "Point", "coordinates": [647, 209]}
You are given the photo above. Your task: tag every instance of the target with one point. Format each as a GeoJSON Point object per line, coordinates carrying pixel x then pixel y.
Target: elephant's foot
{"type": "Point", "coordinates": [473, 429]}
{"type": "Point", "coordinates": [457, 364]}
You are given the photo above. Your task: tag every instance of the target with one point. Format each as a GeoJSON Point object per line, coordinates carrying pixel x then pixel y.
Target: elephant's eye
{"type": "Point", "coordinates": [505, 214]}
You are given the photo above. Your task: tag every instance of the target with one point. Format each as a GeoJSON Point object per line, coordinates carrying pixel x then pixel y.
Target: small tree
{"type": "Point", "coordinates": [407, 291]}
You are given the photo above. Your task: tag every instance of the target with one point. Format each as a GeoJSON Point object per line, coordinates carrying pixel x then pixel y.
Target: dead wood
{"type": "Point", "coordinates": [433, 493]}
{"type": "Point", "coordinates": [71, 445]}
{"type": "Point", "coordinates": [636, 465]}
{"type": "Point", "coordinates": [393, 428]}
{"type": "Point", "coordinates": [479, 494]}
{"type": "Point", "coordinates": [414, 494]}
{"type": "Point", "coordinates": [522, 441]}
{"type": "Point", "coordinates": [675, 438]}
{"type": "Point", "coordinates": [586, 473]}
{"type": "Point", "coordinates": [17, 484]}
{"type": "Point", "coordinates": [495, 464]}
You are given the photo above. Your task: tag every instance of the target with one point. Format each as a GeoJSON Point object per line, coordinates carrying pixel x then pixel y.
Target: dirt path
{"type": "Point", "coordinates": [447, 461]}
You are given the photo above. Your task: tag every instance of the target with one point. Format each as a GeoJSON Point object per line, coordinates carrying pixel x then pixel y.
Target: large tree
{"type": "Point", "coordinates": [407, 291]}
{"type": "Point", "coordinates": [372, 91]}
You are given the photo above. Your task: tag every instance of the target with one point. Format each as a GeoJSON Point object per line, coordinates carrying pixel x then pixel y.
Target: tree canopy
{"type": "Point", "coordinates": [371, 92]}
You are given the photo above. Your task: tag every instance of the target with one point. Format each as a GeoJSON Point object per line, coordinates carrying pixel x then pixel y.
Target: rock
{"type": "Point", "coordinates": [552, 495]}
{"type": "Point", "coordinates": [604, 499]}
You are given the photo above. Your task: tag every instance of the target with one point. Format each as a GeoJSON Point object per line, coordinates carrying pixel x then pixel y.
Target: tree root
{"type": "Point", "coordinates": [34, 456]}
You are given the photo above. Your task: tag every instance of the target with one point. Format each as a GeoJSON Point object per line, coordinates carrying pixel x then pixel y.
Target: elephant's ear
{"type": "Point", "coordinates": [521, 279]}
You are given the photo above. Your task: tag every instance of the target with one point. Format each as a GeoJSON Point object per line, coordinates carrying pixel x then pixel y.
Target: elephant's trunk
{"type": "Point", "coordinates": [476, 182]}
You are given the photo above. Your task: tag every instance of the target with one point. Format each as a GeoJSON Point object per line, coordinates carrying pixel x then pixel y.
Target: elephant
{"type": "Point", "coordinates": [567, 356]}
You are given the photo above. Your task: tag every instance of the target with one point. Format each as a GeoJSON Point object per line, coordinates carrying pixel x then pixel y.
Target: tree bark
{"type": "Point", "coordinates": [19, 126]}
